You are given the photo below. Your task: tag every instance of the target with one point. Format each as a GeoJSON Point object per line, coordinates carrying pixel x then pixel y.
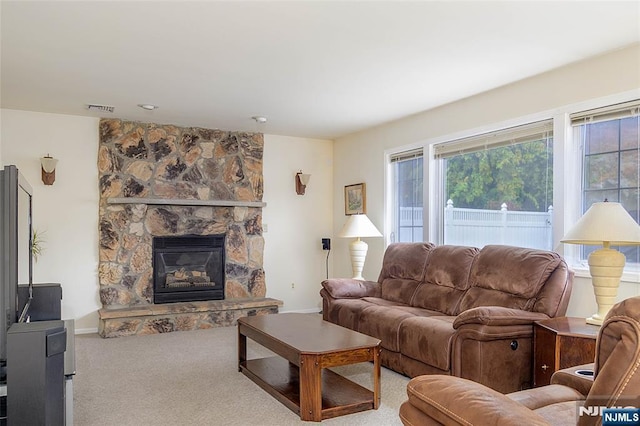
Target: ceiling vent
{"type": "Point", "coordinates": [100, 108]}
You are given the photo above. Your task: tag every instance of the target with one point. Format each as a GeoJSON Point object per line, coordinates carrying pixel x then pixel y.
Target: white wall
{"type": "Point", "coordinates": [295, 224]}
{"type": "Point", "coordinates": [68, 210]}
{"type": "Point", "coordinates": [65, 213]}
{"type": "Point", "coordinates": [360, 157]}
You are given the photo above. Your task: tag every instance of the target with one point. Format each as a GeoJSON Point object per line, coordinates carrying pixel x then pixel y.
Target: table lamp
{"type": "Point", "coordinates": [358, 226]}
{"type": "Point", "coordinates": [605, 224]}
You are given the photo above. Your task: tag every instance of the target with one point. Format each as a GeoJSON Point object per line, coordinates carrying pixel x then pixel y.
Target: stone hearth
{"type": "Point", "coordinates": [161, 180]}
{"type": "Point", "coordinates": [181, 316]}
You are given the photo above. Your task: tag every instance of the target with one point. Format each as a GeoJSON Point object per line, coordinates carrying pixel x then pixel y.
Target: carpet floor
{"type": "Point", "coordinates": [192, 378]}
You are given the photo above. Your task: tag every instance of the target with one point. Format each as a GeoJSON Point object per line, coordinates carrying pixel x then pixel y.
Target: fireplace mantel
{"type": "Point", "coordinates": [183, 202]}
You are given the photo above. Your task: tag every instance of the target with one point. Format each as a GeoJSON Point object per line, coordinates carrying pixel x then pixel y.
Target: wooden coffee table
{"type": "Point", "coordinates": [298, 377]}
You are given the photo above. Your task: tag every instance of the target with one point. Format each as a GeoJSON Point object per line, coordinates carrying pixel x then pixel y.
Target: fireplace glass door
{"type": "Point", "coordinates": [188, 268]}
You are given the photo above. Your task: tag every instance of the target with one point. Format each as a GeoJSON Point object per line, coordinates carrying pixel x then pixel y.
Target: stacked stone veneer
{"type": "Point", "coordinates": [163, 162]}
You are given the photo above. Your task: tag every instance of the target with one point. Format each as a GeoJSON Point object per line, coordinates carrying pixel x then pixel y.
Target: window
{"type": "Point", "coordinates": [407, 201]}
{"type": "Point", "coordinates": [609, 139]}
{"type": "Point", "coordinates": [497, 188]}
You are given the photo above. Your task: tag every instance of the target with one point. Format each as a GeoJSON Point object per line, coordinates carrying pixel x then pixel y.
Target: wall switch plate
{"type": "Point", "coordinates": [326, 244]}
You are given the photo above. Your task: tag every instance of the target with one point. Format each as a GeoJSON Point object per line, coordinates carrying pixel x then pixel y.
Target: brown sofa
{"type": "Point", "coordinates": [455, 310]}
{"type": "Point", "coordinates": [446, 400]}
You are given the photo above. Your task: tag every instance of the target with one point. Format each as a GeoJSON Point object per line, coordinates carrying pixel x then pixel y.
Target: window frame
{"type": "Point", "coordinates": [390, 197]}
{"type": "Point", "coordinates": [567, 166]}
{"type": "Point", "coordinates": [436, 185]}
{"type": "Point", "coordinates": [496, 138]}
{"type": "Point", "coordinates": [572, 252]}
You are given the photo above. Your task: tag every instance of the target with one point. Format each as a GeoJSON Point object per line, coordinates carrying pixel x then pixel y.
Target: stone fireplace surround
{"type": "Point", "coordinates": [162, 180]}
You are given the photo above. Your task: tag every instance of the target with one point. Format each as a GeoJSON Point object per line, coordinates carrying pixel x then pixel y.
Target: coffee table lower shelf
{"type": "Point", "coordinates": [281, 379]}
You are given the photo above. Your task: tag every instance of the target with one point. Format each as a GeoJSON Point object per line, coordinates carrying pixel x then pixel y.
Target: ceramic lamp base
{"type": "Point", "coordinates": [358, 250]}
{"type": "Point", "coordinates": [605, 266]}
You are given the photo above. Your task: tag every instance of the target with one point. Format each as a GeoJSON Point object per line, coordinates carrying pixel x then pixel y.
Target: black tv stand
{"type": "Point", "coordinates": [40, 364]}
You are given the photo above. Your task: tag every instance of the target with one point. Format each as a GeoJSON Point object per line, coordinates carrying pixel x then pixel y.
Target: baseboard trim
{"type": "Point", "coordinates": [86, 330]}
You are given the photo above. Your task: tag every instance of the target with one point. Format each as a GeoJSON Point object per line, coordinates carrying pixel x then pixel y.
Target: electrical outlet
{"type": "Point", "coordinates": [293, 285]}
{"type": "Point", "coordinates": [326, 244]}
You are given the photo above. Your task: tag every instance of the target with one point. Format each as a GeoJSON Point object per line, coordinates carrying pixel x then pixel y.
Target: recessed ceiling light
{"type": "Point", "coordinates": [148, 107]}
{"type": "Point", "coordinates": [260, 119]}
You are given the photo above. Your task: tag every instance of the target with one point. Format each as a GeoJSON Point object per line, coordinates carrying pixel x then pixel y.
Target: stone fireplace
{"type": "Point", "coordinates": [160, 184]}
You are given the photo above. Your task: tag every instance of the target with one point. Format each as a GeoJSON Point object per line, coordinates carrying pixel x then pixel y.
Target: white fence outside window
{"type": "Point", "coordinates": [410, 224]}
{"type": "Point", "coordinates": [477, 228]}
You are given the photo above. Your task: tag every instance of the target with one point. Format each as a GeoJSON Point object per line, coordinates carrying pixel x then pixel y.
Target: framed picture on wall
{"type": "Point", "coordinates": [355, 199]}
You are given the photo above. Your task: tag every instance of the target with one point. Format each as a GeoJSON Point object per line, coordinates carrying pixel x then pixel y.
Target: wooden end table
{"type": "Point", "coordinates": [561, 342]}
{"type": "Point", "coordinates": [299, 377]}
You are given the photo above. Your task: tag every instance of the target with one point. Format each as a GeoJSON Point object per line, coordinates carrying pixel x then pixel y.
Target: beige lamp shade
{"type": "Point", "coordinates": [359, 225]}
{"type": "Point", "coordinates": [605, 223]}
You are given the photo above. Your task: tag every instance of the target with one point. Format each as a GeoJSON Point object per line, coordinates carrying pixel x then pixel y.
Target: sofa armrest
{"type": "Point", "coordinates": [348, 288]}
{"type": "Point", "coordinates": [453, 400]}
{"type": "Point", "coordinates": [569, 377]}
{"type": "Point", "coordinates": [497, 315]}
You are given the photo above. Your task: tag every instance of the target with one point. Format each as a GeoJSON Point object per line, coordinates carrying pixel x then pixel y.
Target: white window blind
{"type": "Point", "coordinates": [510, 136]}
{"type": "Point", "coordinates": [406, 155]}
{"type": "Point", "coordinates": [611, 112]}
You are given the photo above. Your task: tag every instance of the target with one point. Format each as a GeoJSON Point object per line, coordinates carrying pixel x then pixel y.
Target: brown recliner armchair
{"type": "Point", "coordinates": [447, 400]}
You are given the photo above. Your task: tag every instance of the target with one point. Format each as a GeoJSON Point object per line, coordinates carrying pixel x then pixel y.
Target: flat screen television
{"type": "Point", "coordinates": [16, 240]}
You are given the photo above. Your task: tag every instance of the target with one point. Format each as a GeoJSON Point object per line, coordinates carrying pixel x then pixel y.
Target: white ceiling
{"type": "Point", "coordinates": [315, 69]}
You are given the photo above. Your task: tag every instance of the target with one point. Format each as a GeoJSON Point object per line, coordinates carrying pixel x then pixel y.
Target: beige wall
{"type": "Point", "coordinates": [360, 157]}
{"type": "Point", "coordinates": [68, 210]}
{"type": "Point", "coordinates": [295, 224]}
{"type": "Point", "coordinates": [66, 213]}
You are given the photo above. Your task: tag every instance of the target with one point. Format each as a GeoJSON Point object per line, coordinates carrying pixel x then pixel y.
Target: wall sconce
{"type": "Point", "coordinates": [302, 180]}
{"type": "Point", "coordinates": [48, 169]}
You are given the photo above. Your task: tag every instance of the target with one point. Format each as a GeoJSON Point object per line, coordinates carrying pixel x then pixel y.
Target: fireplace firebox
{"type": "Point", "coordinates": [188, 268]}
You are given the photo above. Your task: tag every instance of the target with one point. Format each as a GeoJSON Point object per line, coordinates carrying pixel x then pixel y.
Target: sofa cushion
{"type": "Point", "coordinates": [405, 261]}
{"type": "Point", "coordinates": [383, 322]}
{"type": "Point", "coordinates": [402, 270]}
{"type": "Point", "coordinates": [346, 312]}
{"type": "Point", "coordinates": [550, 394]}
{"type": "Point", "coordinates": [399, 290]}
{"type": "Point", "coordinates": [383, 302]}
{"type": "Point", "coordinates": [428, 339]}
{"type": "Point", "coordinates": [508, 276]}
{"type": "Point", "coordinates": [560, 413]}
{"type": "Point", "coordinates": [446, 278]}
{"type": "Point", "coordinates": [420, 312]}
